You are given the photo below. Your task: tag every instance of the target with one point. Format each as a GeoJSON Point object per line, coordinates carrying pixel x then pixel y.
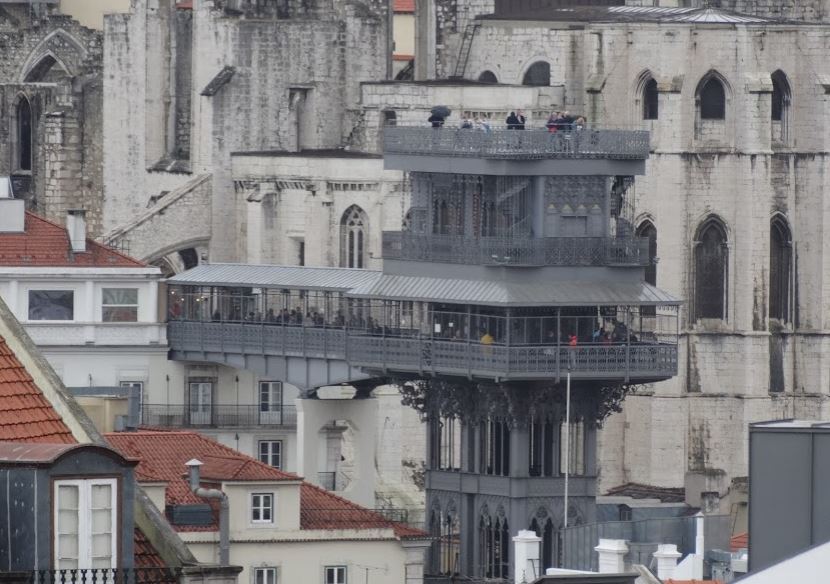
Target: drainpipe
{"type": "Point", "coordinates": [224, 509]}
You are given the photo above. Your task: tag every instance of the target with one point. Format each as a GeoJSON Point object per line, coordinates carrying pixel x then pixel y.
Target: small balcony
{"type": "Point", "coordinates": [503, 144]}
{"type": "Point", "coordinates": [219, 415]}
{"type": "Point", "coordinates": [504, 251]}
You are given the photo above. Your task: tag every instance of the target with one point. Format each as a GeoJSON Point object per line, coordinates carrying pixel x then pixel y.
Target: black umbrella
{"type": "Point", "coordinates": [441, 111]}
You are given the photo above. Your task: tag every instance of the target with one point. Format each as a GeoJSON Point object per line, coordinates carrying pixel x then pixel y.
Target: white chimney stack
{"type": "Point", "coordinates": [12, 211]}
{"type": "Point", "coordinates": [612, 554]}
{"type": "Point", "coordinates": [526, 566]}
{"type": "Point", "coordinates": [666, 556]}
{"type": "Point", "coordinates": [76, 227]}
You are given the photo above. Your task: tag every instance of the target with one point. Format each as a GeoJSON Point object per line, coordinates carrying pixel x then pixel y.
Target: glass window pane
{"type": "Point", "coordinates": [102, 545]}
{"type": "Point", "coordinates": [101, 496]}
{"type": "Point", "coordinates": [67, 497]}
{"type": "Point", "coordinates": [102, 562]}
{"type": "Point", "coordinates": [68, 546]}
{"type": "Point", "coordinates": [67, 564]}
{"type": "Point", "coordinates": [120, 296]}
{"type": "Point", "coordinates": [101, 521]}
{"type": "Point", "coordinates": [51, 304]}
{"type": "Point", "coordinates": [119, 314]}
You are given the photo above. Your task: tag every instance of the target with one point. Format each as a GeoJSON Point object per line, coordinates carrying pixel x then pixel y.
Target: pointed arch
{"type": "Point", "coordinates": [780, 269]}
{"type": "Point", "coordinates": [780, 107]}
{"type": "Point", "coordinates": [711, 269]}
{"type": "Point", "coordinates": [24, 134]}
{"type": "Point", "coordinates": [711, 96]}
{"type": "Point", "coordinates": [647, 230]}
{"type": "Point", "coordinates": [647, 96]}
{"type": "Point", "coordinates": [59, 45]}
{"type": "Point", "coordinates": [354, 229]}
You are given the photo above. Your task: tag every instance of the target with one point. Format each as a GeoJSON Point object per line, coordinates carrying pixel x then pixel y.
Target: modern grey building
{"type": "Point", "coordinates": [789, 506]}
{"type": "Point", "coordinates": [515, 268]}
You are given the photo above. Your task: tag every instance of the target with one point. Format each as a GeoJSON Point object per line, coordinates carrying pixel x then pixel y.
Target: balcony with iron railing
{"type": "Point", "coordinates": [217, 415]}
{"type": "Point", "coordinates": [506, 251]}
{"type": "Point", "coordinates": [648, 358]}
{"type": "Point", "coordinates": [570, 142]}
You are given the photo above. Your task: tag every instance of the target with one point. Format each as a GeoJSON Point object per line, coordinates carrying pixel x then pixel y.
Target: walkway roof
{"type": "Point", "coordinates": [493, 292]}
{"type": "Point", "coordinates": [375, 284]}
{"type": "Point", "coordinates": [266, 276]}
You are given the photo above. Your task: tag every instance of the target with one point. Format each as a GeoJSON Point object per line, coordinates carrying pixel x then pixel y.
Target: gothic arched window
{"type": "Point", "coordinates": [538, 74]}
{"type": "Point", "coordinates": [780, 270]}
{"type": "Point", "coordinates": [711, 270]}
{"type": "Point", "coordinates": [543, 527]}
{"type": "Point", "coordinates": [353, 236]}
{"type": "Point", "coordinates": [780, 106]}
{"type": "Point", "coordinates": [712, 99]}
{"type": "Point", "coordinates": [488, 77]}
{"type": "Point", "coordinates": [647, 230]}
{"type": "Point", "coordinates": [24, 134]}
{"type": "Point", "coordinates": [650, 100]}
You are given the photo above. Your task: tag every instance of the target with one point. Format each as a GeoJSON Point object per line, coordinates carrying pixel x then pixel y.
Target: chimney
{"type": "Point", "coordinates": [76, 227]}
{"type": "Point", "coordinates": [526, 557]}
{"type": "Point", "coordinates": [193, 472]}
{"type": "Point", "coordinates": [612, 554]}
{"type": "Point", "coordinates": [666, 556]}
{"type": "Point", "coordinates": [12, 211]}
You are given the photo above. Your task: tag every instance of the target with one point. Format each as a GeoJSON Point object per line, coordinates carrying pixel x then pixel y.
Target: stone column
{"type": "Point", "coordinates": [415, 554]}
{"type": "Point", "coordinates": [666, 556]}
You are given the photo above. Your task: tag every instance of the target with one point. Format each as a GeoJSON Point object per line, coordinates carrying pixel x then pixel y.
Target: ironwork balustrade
{"type": "Point", "coordinates": [545, 251]}
{"type": "Point", "coordinates": [643, 359]}
{"type": "Point", "coordinates": [183, 415]}
{"type": "Point", "coordinates": [516, 145]}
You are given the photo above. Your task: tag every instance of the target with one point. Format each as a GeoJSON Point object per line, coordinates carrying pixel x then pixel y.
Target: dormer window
{"type": "Point", "coordinates": [86, 524]}
{"type": "Point", "coordinates": [51, 305]}
{"type": "Point", "coordinates": [262, 508]}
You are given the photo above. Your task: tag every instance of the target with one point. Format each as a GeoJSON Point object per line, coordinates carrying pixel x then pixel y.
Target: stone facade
{"type": "Point", "coordinates": [269, 77]}
{"type": "Point", "coordinates": [51, 98]}
{"type": "Point", "coordinates": [745, 366]}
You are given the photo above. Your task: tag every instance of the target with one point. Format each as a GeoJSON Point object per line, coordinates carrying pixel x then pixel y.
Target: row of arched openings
{"type": "Point", "coordinates": [711, 268]}
{"type": "Point", "coordinates": [711, 96]}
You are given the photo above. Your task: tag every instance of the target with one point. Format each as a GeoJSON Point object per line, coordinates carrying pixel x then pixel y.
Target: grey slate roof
{"type": "Point", "coordinates": [266, 276]}
{"type": "Point", "coordinates": [571, 293]}
{"type": "Point", "coordinates": [374, 284]}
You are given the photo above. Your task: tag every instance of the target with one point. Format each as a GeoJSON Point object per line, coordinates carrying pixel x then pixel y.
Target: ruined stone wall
{"type": "Point", "coordinates": [271, 83]}
{"type": "Point", "coordinates": [54, 63]}
{"type": "Point", "coordinates": [288, 199]}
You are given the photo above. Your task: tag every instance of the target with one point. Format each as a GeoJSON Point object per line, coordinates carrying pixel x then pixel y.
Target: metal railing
{"type": "Point", "coordinates": [649, 360]}
{"type": "Point", "coordinates": [94, 576]}
{"type": "Point", "coordinates": [327, 480]}
{"type": "Point", "coordinates": [184, 416]}
{"type": "Point", "coordinates": [546, 251]}
{"type": "Point", "coordinates": [643, 535]}
{"type": "Point", "coordinates": [517, 144]}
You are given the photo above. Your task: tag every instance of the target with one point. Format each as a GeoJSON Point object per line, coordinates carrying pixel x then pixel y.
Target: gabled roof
{"type": "Point", "coordinates": [163, 456]}
{"type": "Point", "coordinates": [46, 244]}
{"type": "Point", "coordinates": [25, 413]}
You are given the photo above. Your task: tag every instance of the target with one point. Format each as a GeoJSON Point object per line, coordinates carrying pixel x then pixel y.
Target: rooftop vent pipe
{"type": "Point", "coordinates": [224, 509]}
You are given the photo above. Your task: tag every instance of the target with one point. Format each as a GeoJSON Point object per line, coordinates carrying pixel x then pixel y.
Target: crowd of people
{"type": "Point", "coordinates": [558, 121]}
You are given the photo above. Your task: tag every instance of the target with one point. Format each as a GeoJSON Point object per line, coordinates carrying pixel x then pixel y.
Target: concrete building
{"type": "Point", "coordinates": [280, 528]}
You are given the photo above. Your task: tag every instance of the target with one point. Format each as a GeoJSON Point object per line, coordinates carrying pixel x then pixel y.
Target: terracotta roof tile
{"type": "Point", "coordinates": [404, 5]}
{"type": "Point", "coordinates": [25, 414]}
{"type": "Point", "coordinates": [739, 542]}
{"type": "Point", "coordinates": [45, 243]}
{"type": "Point", "coordinates": [164, 453]}
{"type": "Point", "coordinates": [146, 556]}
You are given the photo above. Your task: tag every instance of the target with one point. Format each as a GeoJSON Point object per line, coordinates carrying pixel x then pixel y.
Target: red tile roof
{"type": "Point", "coordinates": [145, 555]}
{"type": "Point", "coordinates": [404, 5]}
{"type": "Point", "coordinates": [739, 542]}
{"type": "Point", "coordinates": [46, 244]}
{"type": "Point", "coordinates": [25, 414]}
{"type": "Point", "coordinates": [163, 455]}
